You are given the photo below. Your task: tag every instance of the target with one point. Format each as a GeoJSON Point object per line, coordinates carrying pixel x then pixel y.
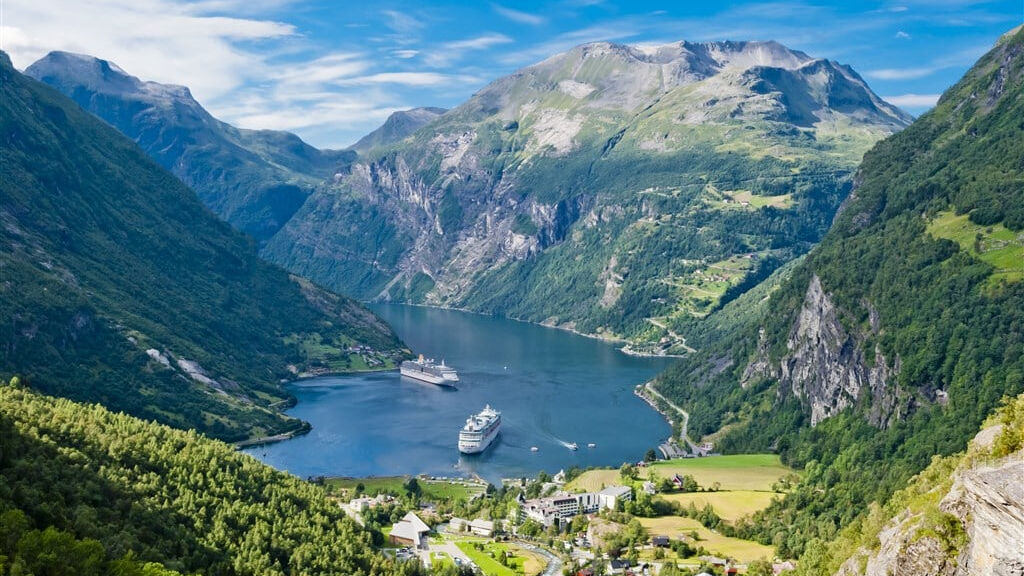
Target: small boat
{"type": "Point", "coordinates": [591, 445]}
{"type": "Point", "coordinates": [573, 446]}
{"type": "Point", "coordinates": [534, 449]}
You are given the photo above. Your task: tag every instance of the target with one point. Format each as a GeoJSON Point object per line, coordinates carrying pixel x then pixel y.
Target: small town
{"type": "Point", "coordinates": [634, 520]}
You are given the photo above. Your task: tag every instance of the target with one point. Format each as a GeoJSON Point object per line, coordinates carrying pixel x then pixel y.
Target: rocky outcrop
{"type": "Point", "coordinates": [976, 529]}
{"type": "Point", "coordinates": [989, 501]}
{"type": "Point", "coordinates": [826, 365]}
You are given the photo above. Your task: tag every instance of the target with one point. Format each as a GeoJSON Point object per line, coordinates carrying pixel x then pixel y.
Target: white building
{"type": "Point", "coordinates": [561, 506]}
{"type": "Point", "coordinates": [612, 495]}
{"type": "Point", "coordinates": [482, 527]}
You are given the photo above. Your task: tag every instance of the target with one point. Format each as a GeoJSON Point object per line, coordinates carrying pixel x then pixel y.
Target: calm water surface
{"type": "Point", "coordinates": [551, 386]}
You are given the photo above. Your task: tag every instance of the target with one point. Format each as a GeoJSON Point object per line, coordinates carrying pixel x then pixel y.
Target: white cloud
{"type": "Point", "coordinates": [401, 22]}
{"type": "Point", "coordinates": [155, 39]}
{"type": "Point", "coordinates": [405, 54]}
{"type": "Point", "coordinates": [478, 43]}
{"type": "Point", "coordinates": [902, 35]}
{"type": "Point", "coordinates": [519, 15]}
{"type": "Point", "coordinates": [407, 79]}
{"type": "Point", "coordinates": [913, 100]}
{"type": "Point", "coordinates": [902, 73]}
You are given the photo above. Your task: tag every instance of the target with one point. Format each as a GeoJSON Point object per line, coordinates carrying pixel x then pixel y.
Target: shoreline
{"type": "Point", "coordinates": [614, 340]}
{"type": "Point", "coordinates": [306, 428]}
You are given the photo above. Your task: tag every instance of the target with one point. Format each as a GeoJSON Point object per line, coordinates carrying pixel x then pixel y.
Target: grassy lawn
{"type": "Point", "coordinates": [488, 565]}
{"type": "Point", "coordinates": [436, 490]}
{"type": "Point", "coordinates": [674, 526]}
{"type": "Point", "coordinates": [998, 246]}
{"type": "Point", "coordinates": [728, 505]}
{"type": "Point", "coordinates": [733, 472]}
{"type": "Point", "coordinates": [594, 480]}
{"type": "Point", "coordinates": [439, 559]}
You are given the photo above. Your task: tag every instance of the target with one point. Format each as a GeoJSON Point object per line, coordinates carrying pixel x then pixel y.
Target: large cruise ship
{"type": "Point", "coordinates": [480, 431]}
{"type": "Point", "coordinates": [427, 371]}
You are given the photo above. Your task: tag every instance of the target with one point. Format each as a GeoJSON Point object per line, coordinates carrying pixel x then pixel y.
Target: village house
{"type": "Point", "coordinates": [409, 531]}
{"type": "Point", "coordinates": [458, 525]}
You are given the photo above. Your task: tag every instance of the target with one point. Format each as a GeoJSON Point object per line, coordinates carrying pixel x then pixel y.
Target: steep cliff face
{"type": "Point", "coordinates": [826, 365]}
{"type": "Point", "coordinates": [989, 502]}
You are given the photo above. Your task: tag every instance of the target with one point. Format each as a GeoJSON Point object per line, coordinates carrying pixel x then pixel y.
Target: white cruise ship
{"type": "Point", "coordinates": [480, 431]}
{"type": "Point", "coordinates": [426, 371]}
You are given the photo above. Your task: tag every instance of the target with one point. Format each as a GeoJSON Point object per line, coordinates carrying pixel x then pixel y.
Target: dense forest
{"type": "Point", "coordinates": [84, 490]}
{"type": "Point", "coordinates": [120, 287]}
{"type": "Point", "coordinates": [943, 308]}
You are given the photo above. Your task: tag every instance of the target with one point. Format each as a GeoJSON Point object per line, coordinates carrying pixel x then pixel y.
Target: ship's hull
{"type": "Point", "coordinates": [426, 377]}
{"type": "Point", "coordinates": [484, 444]}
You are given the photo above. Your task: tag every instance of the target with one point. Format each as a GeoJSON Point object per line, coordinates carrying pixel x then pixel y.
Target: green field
{"type": "Point", "coordinates": [676, 527]}
{"type": "Point", "coordinates": [994, 244]}
{"type": "Point", "coordinates": [749, 472]}
{"type": "Point", "coordinates": [733, 472]}
{"type": "Point", "coordinates": [430, 489]}
{"type": "Point", "coordinates": [729, 506]}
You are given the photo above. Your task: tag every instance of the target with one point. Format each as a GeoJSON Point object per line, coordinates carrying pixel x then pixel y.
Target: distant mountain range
{"type": "Point", "coordinates": [118, 286]}
{"type": "Point", "coordinates": [610, 189]}
{"type": "Point", "coordinates": [254, 179]}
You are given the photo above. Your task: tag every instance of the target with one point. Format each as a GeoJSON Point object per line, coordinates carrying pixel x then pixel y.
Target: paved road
{"type": "Point", "coordinates": [686, 415]}
{"type": "Point", "coordinates": [554, 567]}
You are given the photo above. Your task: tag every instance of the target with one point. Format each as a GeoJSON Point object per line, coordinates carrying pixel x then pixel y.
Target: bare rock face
{"type": "Point", "coordinates": [903, 552]}
{"type": "Point", "coordinates": [990, 503]}
{"type": "Point", "coordinates": [981, 533]}
{"type": "Point", "coordinates": [826, 365]}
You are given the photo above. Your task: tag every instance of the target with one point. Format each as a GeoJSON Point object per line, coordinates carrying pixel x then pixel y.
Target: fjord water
{"type": "Point", "coordinates": [552, 387]}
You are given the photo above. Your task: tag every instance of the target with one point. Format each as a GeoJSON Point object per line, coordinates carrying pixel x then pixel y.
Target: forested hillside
{"type": "Point", "coordinates": [85, 491]}
{"type": "Point", "coordinates": [117, 286]}
{"type": "Point", "coordinates": [896, 336]}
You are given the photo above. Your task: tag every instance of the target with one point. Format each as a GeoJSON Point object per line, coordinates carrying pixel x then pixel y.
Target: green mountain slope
{"type": "Point", "coordinates": [118, 286]}
{"type": "Point", "coordinates": [254, 179]}
{"type": "Point", "coordinates": [150, 493]}
{"type": "Point", "coordinates": [896, 336]}
{"type": "Point", "coordinates": [611, 189]}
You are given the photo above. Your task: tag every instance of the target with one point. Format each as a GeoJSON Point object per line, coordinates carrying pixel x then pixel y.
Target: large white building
{"type": "Point", "coordinates": [562, 506]}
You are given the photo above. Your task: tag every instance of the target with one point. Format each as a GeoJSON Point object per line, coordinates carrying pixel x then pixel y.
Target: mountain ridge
{"type": "Point", "coordinates": [254, 179]}
{"type": "Point", "coordinates": [398, 126]}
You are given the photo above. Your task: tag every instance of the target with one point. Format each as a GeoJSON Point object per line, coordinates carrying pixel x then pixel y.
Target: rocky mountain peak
{"type": "Point", "coordinates": [68, 71]}
{"type": "Point", "coordinates": [398, 125]}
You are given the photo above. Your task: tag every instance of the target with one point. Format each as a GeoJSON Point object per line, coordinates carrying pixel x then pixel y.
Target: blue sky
{"type": "Point", "coordinates": [332, 71]}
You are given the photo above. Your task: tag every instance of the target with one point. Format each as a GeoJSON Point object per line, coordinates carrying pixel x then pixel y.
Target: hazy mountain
{"type": "Point", "coordinates": [254, 179]}
{"type": "Point", "coordinates": [119, 287]}
{"type": "Point", "coordinates": [899, 333]}
{"type": "Point", "coordinates": [397, 127]}
{"type": "Point", "coordinates": [610, 189]}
